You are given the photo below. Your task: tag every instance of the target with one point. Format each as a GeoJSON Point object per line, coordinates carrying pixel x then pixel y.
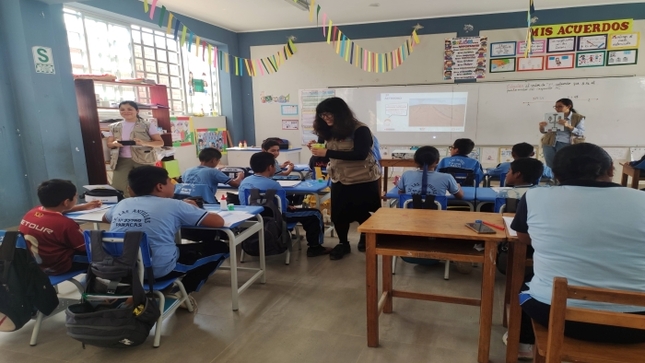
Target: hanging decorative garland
{"type": "Point", "coordinates": [529, 31]}
{"type": "Point", "coordinates": [220, 59]}
{"type": "Point", "coordinates": [358, 56]}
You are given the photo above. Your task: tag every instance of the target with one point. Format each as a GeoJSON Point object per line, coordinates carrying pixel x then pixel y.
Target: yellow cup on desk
{"type": "Point", "coordinates": [317, 146]}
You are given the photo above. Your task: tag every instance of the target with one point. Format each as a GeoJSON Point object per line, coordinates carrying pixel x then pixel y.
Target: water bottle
{"type": "Point", "coordinates": [222, 203]}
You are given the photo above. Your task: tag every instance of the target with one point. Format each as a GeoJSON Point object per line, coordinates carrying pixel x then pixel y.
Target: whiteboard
{"type": "Point", "coordinates": [505, 113]}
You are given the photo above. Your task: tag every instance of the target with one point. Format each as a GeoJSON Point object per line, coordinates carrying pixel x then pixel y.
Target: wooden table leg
{"type": "Point", "coordinates": [636, 178]}
{"type": "Point", "coordinates": [486, 308]}
{"type": "Point", "coordinates": [518, 250]}
{"type": "Point", "coordinates": [387, 283]}
{"type": "Point", "coordinates": [371, 273]}
{"type": "Point", "coordinates": [623, 178]}
{"type": "Point", "coordinates": [507, 288]}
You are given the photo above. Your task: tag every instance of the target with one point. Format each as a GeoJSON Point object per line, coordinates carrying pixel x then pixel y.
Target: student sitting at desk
{"type": "Point", "coordinates": [522, 175]}
{"type": "Point", "coordinates": [153, 211]}
{"type": "Point", "coordinates": [519, 151]}
{"type": "Point", "coordinates": [458, 158]}
{"type": "Point", "coordinates": [272, 146]}
{"type": "Point", "coordinates": [588, 230]}
{"type": "Point", "coordinates": [206, 173]}
{"type": "Point", "coordinates": [427, 158]}
{"type": "Point", "coordinates": [52, 238]}
{"type": "Point", "coordinates": [263, 167]}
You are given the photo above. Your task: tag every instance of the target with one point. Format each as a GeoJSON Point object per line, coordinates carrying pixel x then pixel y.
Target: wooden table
{"type": "Point", "coordinates": [386, 163]}
{"type": "Point", "coordinates": [514, 278]}
{"type": "Point", "coordinates": [630, 171]}
{"type": "Point", "coordinates": [452, 240]}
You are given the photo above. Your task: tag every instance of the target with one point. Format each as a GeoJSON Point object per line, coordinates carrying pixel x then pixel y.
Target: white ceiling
{"type": "Point", "coordinates": [257, 15]}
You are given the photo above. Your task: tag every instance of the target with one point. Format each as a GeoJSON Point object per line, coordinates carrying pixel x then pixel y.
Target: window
{"type": "Point", "coordinates": [100, 46]}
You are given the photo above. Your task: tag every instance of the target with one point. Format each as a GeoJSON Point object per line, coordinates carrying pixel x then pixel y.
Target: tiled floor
{"type": "Point", "coordinates": [310, 311]}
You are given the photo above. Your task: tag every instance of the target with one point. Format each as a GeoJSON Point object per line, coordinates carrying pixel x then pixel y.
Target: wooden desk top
{"type": "Point", "coordinates": [431, 223]}
{"type": "Point", "coordinates": [398, 162]}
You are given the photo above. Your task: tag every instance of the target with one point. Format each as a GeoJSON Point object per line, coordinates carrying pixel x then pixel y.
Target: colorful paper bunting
{"type": "Point", "coordinates": [219, 58]}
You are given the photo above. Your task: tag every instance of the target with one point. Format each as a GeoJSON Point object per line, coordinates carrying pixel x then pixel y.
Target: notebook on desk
{"type": "Point", "coordinates": [288, 183]}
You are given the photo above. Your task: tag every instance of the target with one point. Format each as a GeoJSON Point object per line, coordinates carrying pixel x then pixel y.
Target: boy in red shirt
{"type": "Point", "coordinates": [52, 238]}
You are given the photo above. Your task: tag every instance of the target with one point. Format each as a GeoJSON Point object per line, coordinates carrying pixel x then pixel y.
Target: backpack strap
{"type": "Point", "coordinates": [7, 250]}
{"type": "Point", "coordinates": [423, 202]}
{"type": "Point", "coordinates": [131, 245]}
{"type": "Point", "coordinates": [270, 195]}
{"type": "Point", "coordinates": [255, 196]}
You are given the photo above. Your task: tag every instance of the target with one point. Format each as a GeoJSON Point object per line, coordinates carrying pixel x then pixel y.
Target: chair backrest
{"type": "Point", "coordinates": [184, 190]}
{"type": "Point", "coordinates": [464, 177]}
{"type": "Point", "coordinates": [405, 201]}
{"type": "Point", "coordinates": [280, 198]}
{"type": "Point", "coordinates": [20, 240]}
{"type": "Point", "coordinates": [560, 312]}
{"type": "Point", "coordinates": [502, 180]}
{"type": "Point", "coordinates": [506, 205]}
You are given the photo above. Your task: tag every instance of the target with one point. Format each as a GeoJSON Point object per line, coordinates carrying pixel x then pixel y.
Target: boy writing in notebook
{"type": "Point", "coordinates": [52, 238]}
{"type": "Point", "coordinates": [272, 146]}
{"type": "Point", "coordinates": [207, 172]}
{"type": "Point", "coordinates": [459, 159]}
{"type": "Point", "coordinates": [519, 151]}
{"type": "Point", "coordinates": [263, 166]}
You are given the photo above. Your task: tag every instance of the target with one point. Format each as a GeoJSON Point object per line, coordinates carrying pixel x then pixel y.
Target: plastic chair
{"type": "Point", "coordinates": [54, 280]}
{"type": "Point", "coordinates": [113, 244]}
{"type": "Point", "coordinates": [552, 346]}
{"type": "Point", "coordinates": [281, 200]}
{"type": "Point", "coordinates": [405, 201]}
{"type": "Point", "coordinates": [464, 177]}
{"type": "Point", "coordinates": [195, 190]}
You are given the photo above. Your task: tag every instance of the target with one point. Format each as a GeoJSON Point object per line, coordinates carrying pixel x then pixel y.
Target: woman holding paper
{"type": "Point", "coordinates": [353, 169]}
{"type": "Point", "coordinates": [571, 131]}
{"type": "Point", "coordinates": [132, 141]}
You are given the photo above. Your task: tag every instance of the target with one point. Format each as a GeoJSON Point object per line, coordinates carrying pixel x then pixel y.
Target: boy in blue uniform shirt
{"type": "Point", "coordinates": [153, 211]}
{"type": "Point", "coordinates": [458, 158]}
{"type": "Point", "coordinates": [437, 183]}
{"type": "Point", "coordinates": [521, 150]}
{"type": "Point", "coordinates": [263, 167]}
{"type": "Point", "coordinates": [521, 176]}
{"type": "Point", "coordinates": [272, 146]}
{"type": "Point", "coordinates": [206, 173]}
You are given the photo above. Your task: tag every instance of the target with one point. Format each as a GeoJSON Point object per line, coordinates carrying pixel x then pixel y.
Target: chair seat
{"type": "Point", "coordinates": [55, 280]}
{"type": "Point", "coordinates": [575, 350]}
{"type": "Point", "coordinates": [292, 225]}
{"type": "Point", "coordinates": [202, 261]}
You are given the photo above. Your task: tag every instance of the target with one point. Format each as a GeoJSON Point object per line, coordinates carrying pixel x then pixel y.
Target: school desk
{"type": "Point", "coordinates": [635, 173]}
{"type": "Point", "coordinates": [470, 196]}
{"type": "Point", "coordinates": [404, 232]}
{"type": "Point", "coordinates": [387, 163]}
{"type": "Point", "coordinates": [251, 227]}
{"type": "Point", "coordinates": [485, 196]}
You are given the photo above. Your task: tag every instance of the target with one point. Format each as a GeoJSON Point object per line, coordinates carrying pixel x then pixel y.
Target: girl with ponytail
{"type": "Point", "coordinates": [425, 180]}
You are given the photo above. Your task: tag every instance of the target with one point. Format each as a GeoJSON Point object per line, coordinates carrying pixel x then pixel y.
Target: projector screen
{"type": "Point", "coordinates": [415, 115]}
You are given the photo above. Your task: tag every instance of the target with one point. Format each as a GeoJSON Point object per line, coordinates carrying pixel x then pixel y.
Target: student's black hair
{"type": "Point", "coordinates": [344, 119]}
{"type": "Point", "coordinates": [144, 179]}
{"type": "Point", "coordinates": [269, 143]}
{"type": "Point", "coordinates": [425, 157]}
{"type": "Point", "coordinates": [522, 150]}
{"type": "Point", "coordinates": [261, 161]}
{"type": "Point", "coordinates": [51, 193]}
{"type": "Point", "coordinates": [567, 102]}
{"type": "Point", "coordinates": [133, 104]}
{"type": "Point", "coordinates": [531, 169]}
{"type": "Point", "coordinates": [581, 161]}
{"type": "Point", "coordinates": [209, 153]}
{"type": "Point", "coordinates": [465, 146]}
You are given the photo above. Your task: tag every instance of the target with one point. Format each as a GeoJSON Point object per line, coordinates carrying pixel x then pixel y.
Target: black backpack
{"type": "Point", "coordinates": [115, 311]}
{"type": "Point", "coordinates": [24, 287]}
{"type": "Point", "coordinates": [105, 195]}
{"type": "Point", "coordinates": [276, 236]}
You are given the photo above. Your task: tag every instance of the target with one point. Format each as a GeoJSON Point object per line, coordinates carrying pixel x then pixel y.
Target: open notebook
{"type": "Point", "coordinates": [507, 222]}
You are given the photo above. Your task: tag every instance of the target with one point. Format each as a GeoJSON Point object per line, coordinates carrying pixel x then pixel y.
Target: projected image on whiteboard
{"type": "Point", "coordinates": [422, 112]}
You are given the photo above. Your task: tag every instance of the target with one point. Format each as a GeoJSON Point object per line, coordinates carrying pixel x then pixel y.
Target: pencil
{"type": "Point", "coordinates": [494, 226]}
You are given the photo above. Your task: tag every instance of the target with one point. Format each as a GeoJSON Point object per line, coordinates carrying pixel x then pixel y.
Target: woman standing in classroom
{"type": "Point", "coordinates": [573, 133]}
{"type": "Point", "coordinates": [353, 169]}
{"type": "Point", "coordinates": [124, 158]}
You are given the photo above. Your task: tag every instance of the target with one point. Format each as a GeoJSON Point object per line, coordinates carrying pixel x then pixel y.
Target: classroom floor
{"type": "Point", "coordinates": [310, 311]}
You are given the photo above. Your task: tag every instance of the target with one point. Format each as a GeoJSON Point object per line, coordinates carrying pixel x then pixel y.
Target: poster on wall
{"type": "Point", "coordinates": [621, 41]}
{"type": "Point", "coordinates": [309, 99]}
{"type": "Point", "coordinates": [590, 59]}
{"type": "Point", "coordinates": [530, 64]}
{"type": "Point", "coordinates": [288, 124]}
{"type": "Point", "coordinates": [560, 61]}
{"type": "Point", "coordinates": [622, 57]}
{"type": "Point", "coordinates": [592, 42]}
{"type": "Point", "coordinates": [465, 58]}
{"type": "Point", "coordinates": [500, 65]}
{"type": "Point", "coordinates": [537, 47]}
{"type": "Point", "coordinates": [181, 128]}
{"type": "Point", "coordinates": [215, 138]}
{"type": "Point", "coordinates": [502, 49]}
{"type": "Point", "coordinates": [559, 45]}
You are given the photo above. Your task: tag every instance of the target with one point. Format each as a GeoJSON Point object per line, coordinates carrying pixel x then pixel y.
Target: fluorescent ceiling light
{"type": "Point", "coordinates": [300, 4]}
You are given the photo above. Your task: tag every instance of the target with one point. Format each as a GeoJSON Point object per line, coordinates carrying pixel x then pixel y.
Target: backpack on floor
{"type": "Point", "coordinates": [115, 311]}
{"type": "Point", "coordinates": [276, 236]}
{"type": "Point", "coordinates": [24, 288]}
